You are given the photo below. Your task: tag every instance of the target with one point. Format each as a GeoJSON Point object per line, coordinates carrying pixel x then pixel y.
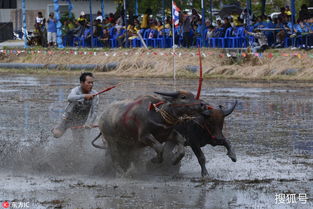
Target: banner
{"type": "Point", "coordinates": [269, 55]}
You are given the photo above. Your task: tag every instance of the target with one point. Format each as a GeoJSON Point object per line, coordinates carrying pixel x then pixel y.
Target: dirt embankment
{"type": "Point", "coordinates": [279, 64]}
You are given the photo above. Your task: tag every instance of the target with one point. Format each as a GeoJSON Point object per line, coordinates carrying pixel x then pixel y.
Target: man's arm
{"type": "Point", "coordinates": [75, 95]}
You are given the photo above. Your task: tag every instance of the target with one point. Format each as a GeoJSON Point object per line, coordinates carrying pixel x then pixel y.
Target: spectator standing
{"type": "Point", "coordinates": [195, 18]}
{"type": "Point", "coordinates": [287, 11]}
{"type": "Point", "coordinates": [145, 20]}
{"type": "Point", "coordinates": [283, 13]}
{"type": "Point", "coordinates": [246, 16]}
{"type": "Point", "coordinates": [40, 26]}
{"type": "Point", "coordinates": [52, 30]}
{"type": "Point", "coordinates": [82, 19]}
{"type": "Point", "coordinates": [111, 18]}
{"type": "Point", "coordinates": [186, 30]}
{"type": "Point", "coordinates": [99, 16]}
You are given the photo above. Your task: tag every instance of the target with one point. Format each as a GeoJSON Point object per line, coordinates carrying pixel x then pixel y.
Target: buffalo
{"type": "Point", "coordinates": [203, 130]}
{"type": "Point", "coordinates": [147, 121]}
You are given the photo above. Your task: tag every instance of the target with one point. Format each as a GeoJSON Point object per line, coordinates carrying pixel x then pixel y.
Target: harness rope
{"type": "Point", "coordinates": [169, 118]}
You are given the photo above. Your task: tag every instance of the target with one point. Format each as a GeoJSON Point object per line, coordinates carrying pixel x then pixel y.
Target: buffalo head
{"type": "Point", "coordinates": [214, 120]}
{"type": "Point", "coordinates": [183, 103]}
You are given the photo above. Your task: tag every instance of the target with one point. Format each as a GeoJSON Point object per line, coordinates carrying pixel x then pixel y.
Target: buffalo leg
{"type": "Point", "coordinates": [155, 144]}
{"type": "Point", "coordinates": [115, 156]}
{"type": "Point", "coordinates": [230, 152]}
{"type": "Point", "coordinates": [201, 158]}
{"type": "Point", "coordinates": [180, 141]}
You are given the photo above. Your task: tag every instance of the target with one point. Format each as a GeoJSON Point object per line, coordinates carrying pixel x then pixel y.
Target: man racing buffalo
{"type": "Point", "coordinates": [81, 111]}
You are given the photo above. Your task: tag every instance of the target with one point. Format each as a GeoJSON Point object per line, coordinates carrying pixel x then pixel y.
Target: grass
{"type": "Point", "coordinates": [139, 63]}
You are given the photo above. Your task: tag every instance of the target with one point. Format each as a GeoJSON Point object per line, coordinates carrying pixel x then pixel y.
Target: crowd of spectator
{"type": "Point", "coordinates": [260, 32]}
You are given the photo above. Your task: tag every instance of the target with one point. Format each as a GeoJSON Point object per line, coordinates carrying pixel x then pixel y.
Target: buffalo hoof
{"type": "Point", "coordinates": [204, 174]}
{"type": "Point", "coordinates": [232, 156]}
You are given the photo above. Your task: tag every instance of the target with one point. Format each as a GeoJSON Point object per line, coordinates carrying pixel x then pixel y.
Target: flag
{"type": "Point", "coordinates": [175, 12]}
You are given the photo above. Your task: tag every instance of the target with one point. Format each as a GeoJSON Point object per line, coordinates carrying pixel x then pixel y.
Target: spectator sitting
{"type": "Point", "coordinates": [281, 35]}
{"type": "Point", "coordinates": [105, 38]}
{"type": "Point", "coordinates": [153, 25]}
{"type": "Point", "coordinates": [131, 34]}
{"type": "Point", "coordinates": [98, 32]}
{"type": "Point", "coordinates": [309, 34]}
{"type": "Point", "coordinates": [225, 25]}
{"type": "Point", "coordinates": [259, 22]}
{"type": "Point", "coordinates": [210, 33]}
{"type": "Point", "coordinates": [137, 24]}
{"type": "Point", "coordinates": [219, 23]}
{"type": "Point", "coordinates": [159, 26]}
{"type": "Point", "coordinates": [207, 23]}
{"type": "Point", "coordinates": [262, 40]}
{"type": "Point", "coordinates": [198, 32]}
{"type": "Point", "coordinates": [35, 38]}
{"type": "Point", "coordinates": [300, 28]}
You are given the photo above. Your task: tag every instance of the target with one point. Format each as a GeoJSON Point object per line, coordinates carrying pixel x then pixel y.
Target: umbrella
{"type": "Point", "coordinates": [228, 10]}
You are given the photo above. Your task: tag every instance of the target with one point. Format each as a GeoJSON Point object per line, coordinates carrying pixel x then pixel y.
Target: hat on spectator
{"type": "Point", "coordinates": [82, 13]}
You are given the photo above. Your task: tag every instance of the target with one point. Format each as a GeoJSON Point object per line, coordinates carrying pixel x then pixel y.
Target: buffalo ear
{"type": "Point", "coordinates": [207, 112]}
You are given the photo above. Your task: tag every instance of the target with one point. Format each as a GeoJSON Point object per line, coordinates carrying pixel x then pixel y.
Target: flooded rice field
{"type": "Point", "coordinates": [270, 130]}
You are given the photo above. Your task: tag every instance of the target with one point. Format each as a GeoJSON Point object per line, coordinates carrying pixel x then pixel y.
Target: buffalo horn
{"type": "Point", "coordinates": [230, 110]}
{"type": "Point", "coordinates": [168, 94]}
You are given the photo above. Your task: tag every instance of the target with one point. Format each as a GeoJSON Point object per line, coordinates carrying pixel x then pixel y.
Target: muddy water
{"type": "Point", "coordinates": [271, 131]}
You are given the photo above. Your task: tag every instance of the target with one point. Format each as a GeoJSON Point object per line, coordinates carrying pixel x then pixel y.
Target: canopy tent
{"type": "Point", "coordinates": [227, 10]}
{"type": "Point", "coordinates": [59, 25]}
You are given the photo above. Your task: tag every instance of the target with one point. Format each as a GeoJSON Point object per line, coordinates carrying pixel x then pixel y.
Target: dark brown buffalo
{"type": "Point", "coordinates": [131, 124]}
{"type": "Point", "coordinates": [206, 129]}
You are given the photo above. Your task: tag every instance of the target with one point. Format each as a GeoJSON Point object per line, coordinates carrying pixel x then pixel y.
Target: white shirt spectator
{"type": "Point", "coordinates": [99, 18]}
